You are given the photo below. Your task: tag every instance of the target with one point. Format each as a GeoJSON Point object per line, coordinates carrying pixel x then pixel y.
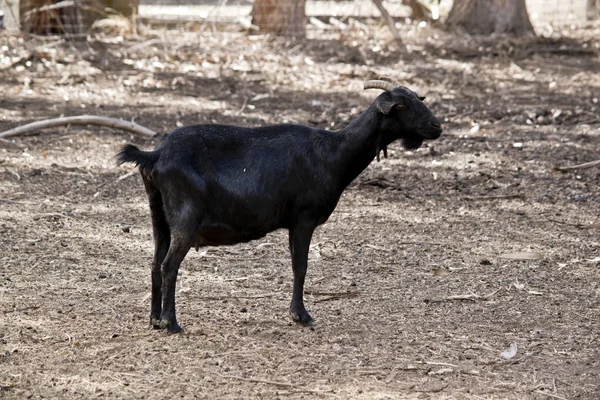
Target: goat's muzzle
{"type": "Point", "coordinates": [433, 131]}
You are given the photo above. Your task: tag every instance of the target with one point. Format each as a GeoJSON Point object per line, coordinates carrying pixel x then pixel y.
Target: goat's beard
{"type": "Point", "coordinates": [412, 143]}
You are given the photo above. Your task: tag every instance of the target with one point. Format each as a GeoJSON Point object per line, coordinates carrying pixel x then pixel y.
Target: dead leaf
{"type": "Point", "coordinates": [510, 352]}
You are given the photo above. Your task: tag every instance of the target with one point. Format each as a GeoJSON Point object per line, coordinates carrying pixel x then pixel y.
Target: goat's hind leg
{"type": "Point", "coordinates": [180, 245]}
{"type": "Point", "coordinates": [162, 241]}
{"type": "Point", "coordinates": [183, 222]}
{"type": "Point", "coordinates": [300, 237]}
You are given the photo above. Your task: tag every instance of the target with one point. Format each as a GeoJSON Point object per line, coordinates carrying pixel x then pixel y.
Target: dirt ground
{"type": "Point", "coordinates": [410, 284]}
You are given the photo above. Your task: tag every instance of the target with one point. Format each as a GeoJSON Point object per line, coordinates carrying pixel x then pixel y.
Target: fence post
{"type": "Point", "coordinates": [11, 16]}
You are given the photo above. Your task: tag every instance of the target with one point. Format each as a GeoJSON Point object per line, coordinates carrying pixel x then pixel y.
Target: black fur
{"type": "Point", "coordinates": [211, 185]}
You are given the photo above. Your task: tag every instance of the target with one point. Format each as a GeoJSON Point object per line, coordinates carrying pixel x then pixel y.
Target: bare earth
{"type": "Point", "coordinates": [406, 281]}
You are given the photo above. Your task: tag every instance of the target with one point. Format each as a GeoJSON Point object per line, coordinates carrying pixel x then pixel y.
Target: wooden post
{"type": "Point", "coordinates": [11, 16]}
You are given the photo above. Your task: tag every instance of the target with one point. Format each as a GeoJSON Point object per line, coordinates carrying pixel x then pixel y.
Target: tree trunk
{"type": "Point", "coordinates": [593, 9]}
{"type": "Point", "coordinates": [282, 17]}
{"type": "Point", "coordinates": [491, 16]}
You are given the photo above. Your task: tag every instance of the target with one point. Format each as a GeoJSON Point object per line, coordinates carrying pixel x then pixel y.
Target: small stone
{"type": "Point", "coordinates": [485, 262]}
{"type": "Point", "coordinates": [126, 229]}
{"type": "Point", "coordinates": [244, 309]}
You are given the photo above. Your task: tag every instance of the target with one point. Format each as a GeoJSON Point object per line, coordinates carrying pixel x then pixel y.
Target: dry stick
{"type": "Point", "coordinates": [338, 294]}
{"type": "Point", "coordinates": [80, 120]}
{"type": "Point", "coordinates": [554, 396]}
{"type": "Point", "coordinates": [388, 19]}
{"type": "Point", "coordinates": [24, 202]}
{"type": "Point", "coordinates": [580, 226]}
{"type": "Point", "coordinates": [499, 197]}
{"type": "Point", "coordinates": [595, 225]}
{"type": "Point", "coordinates": [439, 364]}
{"type": "Point", "coordinates": [276, 383]}
{"type": "Point", "coordinates": [590, 164]}
{"type": "Point", "coordinates": [139, 46]}
{"type": "Point", "coordinates": [21, 309]}
{"type": "Point", "coordinates": [471, 297]}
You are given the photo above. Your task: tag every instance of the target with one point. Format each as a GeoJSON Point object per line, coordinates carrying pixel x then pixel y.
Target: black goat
{"type": "Point", "coordinates": [211, 185]}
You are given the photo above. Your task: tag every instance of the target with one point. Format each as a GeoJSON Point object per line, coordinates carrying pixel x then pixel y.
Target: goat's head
{"type": "Point", "coordinates": [406, 117]}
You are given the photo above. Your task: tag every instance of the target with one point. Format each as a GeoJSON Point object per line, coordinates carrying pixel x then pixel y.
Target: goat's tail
{"type": "Point", "coordinates": [144, 159]}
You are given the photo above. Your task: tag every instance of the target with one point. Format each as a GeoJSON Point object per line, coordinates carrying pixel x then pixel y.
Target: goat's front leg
{"type": "Point", "coordinates": [170, 267]}
{"type": "Point", "coordinates": [300, 237]}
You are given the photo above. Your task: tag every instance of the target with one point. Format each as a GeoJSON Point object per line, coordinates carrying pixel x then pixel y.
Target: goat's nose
{"type": "Point", "coordinates": [435, 129]}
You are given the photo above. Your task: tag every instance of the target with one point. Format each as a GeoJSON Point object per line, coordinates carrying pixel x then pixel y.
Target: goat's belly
{"type": "Point", "coordinates": [219, 235]}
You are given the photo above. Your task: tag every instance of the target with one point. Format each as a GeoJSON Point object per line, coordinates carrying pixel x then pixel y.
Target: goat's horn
{"type": "Point", "coordinates": [378, 84]}
{"type": "Point", "coordinates": [388, 79]}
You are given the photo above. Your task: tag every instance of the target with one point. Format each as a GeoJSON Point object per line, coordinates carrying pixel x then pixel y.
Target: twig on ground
{"type": "Point", "coordinates": [595, 225]}
{"type": "Point", "coordinates": [332, 295]}
{"type": "Point", "coordinates": [20, 309]}
{"type": "Point", "coordinates": [580, 226]}
{"type": "Point", "coordinates": [52, 215]}
{"type": "Point", "coordinates": [22, 202]}
{"type": "Point", "coordinates": [14, 173]}
{"type": "Point", "coordinates": [499, 197]}
{"type": "Point", "coordinates": [127, 175]}
{"type": "Point", "coordinates": [439, 364]}
{"type": "Point", "coordinates": [554, 396]}
{"type": "Point", "coordinates": [276, 383]}
{"type": "Point", "coordinates": [391, 376]}
{"type": "Point", "coordinates": [80, 120]}
{"type": "Point", "coordinates": [145, 44]}
{"type": "Point", "coordinates": [432, 389]}
{"type": "Point", "coordinates": [10, 144]}
{"type": "Point", "coordinates": [471, 297]}
{"type": "Point", "coordinates": [590, 164]}
{"type": "Point", "coordinates": [340, 294]}
{"type": "Point", "coordinates": [218, 298]}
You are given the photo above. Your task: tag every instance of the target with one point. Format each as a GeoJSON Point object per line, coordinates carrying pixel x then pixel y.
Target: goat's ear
{"type": "Point", "coordinates": [385, 104]}
{"type": "Point", "coordinates": [422, 98]}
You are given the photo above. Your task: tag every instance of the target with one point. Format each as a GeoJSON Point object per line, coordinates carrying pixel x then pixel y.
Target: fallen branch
{"type": "Point", "coordinates": [590, 164]}
{"type": "Point", "coordinates": [80, 120]}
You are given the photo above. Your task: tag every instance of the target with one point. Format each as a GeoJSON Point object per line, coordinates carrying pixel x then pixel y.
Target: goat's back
{"type": "Point", "coordinates": [254, 180]}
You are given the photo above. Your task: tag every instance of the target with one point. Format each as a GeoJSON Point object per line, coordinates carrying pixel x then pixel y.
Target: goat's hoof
{"type": "Point", "coordinates": [155, 322]}
{"type": "Point", "coordinates": [302, 318]}
{"type": "Point", "coordinates": [171, 326]}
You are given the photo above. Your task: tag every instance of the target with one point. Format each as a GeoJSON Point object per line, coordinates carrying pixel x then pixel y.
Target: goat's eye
{"type": "Point", "coordinates": [400, 106]}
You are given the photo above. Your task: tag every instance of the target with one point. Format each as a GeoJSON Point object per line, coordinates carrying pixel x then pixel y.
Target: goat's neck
{"type": "Point", "coordinates": [360, 142]}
